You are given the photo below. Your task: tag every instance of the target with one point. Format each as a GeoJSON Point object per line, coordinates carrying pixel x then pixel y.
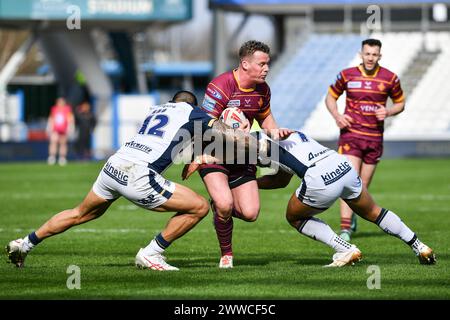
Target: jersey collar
{"type": "Point", "coordinates": [361, 69]}
{"type": "Point", "coordinates": [239, 85]}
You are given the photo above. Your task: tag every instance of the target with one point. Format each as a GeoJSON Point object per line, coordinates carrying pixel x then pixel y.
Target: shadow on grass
{"type": "Point", "coordinates": [368, 234]}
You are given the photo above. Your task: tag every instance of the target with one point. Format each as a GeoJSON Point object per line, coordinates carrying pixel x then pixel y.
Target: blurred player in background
{"type": "Point", "coordinates": [135, 172]}
{"type": "Point", "coordinates": [60, 125]}
{"type": "Point", "coordinates": [368, 87]}
{"type": "Point", "coordinates": [233, 188]}
{"type": "Point", "coordinates": [85, 121]}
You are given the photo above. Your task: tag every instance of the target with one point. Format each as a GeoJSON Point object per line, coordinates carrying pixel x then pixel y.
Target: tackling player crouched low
{"type": "Point", "coordinates": [135, 172]}
{"type": "Point", "coordinates": [326, 176]}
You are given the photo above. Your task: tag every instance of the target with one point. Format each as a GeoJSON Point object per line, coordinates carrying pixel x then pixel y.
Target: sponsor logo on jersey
{"type": "Point", "coordinates": [335, 175]}
{"type": "Point", "coordinates": [138, 146]}
{"type": "Point", "coordinates": [314, 155]}
{"type": "Point", "coordinates": [354, 84]}
{"type": "Point", "coordinates": [116, 174]}
{"type": "Point", "coordinates": [214, 93]}
{"type": "Point", "coordinates": [260, 102]}
{"type": "Point", "coordinates": [368, 85]}
{"type": "Point", "coordinates": [208, 104]}
{"type": "Point", "coordinates": [234, 103]}
{"type": "Point", "coordinates": [368, 108]}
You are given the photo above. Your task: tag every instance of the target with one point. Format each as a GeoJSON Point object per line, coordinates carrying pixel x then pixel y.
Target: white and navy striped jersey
{"type": "Point", "coordinates": [165, 127]}
{"type": "Point", "coordinates": [297, 153]}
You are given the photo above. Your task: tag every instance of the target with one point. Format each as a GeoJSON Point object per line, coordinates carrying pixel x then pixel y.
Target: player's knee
{"type": "Point", "coordinates": [250, 214]}
{"type": "Point", "coordinates": [292, 219]}
{"type": "Point", "coordinates": [200, 208]}
{"type": "Point", "coordinates": [223, 207]}
{"type": "Point", "coordinates": [203, 207]}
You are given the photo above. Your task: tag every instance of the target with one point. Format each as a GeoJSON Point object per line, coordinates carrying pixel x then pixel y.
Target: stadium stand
{"type": "Point", "coordinates": [300, 84]}
{"type": "Point", "coordinates": [399, 51]}
{"type": "Point", "coordinates": [428, 107]}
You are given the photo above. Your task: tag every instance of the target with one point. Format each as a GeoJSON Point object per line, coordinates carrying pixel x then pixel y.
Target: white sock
{"type": "Point", "coordinates": [320, 231]}
{"type": "Point", "coordinates": [416, 245]}
{"type": "Point", "coordinates": [153, 248]}
{"type": "Point", "coordinates": [390, 223]}
{"type": "Point", "coordinates": [27, 245]}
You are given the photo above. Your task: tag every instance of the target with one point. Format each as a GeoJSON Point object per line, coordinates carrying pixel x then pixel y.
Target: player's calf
{"type": "Point", "coordinates": [390, 223]}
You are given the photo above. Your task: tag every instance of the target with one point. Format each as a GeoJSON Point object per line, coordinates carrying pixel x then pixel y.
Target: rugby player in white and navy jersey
{"type": "Point", "coordinates": [135, 172]}
{"type": "Point", "coordinates": [326, 176]}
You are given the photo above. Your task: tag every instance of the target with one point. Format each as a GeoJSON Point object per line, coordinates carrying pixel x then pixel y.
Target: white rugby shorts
{"type": "Point", "coordinates": [139, 184]}
{"type": "Point", "coordinates": [329, 179]}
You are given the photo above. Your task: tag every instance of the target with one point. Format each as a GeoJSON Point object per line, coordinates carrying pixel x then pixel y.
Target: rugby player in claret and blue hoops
{"type": "Point", "coordinates": [368, 87]}
{"type": "Point", "coordinates": [232, 187]}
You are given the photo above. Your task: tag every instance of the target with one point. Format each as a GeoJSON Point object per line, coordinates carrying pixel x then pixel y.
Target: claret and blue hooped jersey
{"type": "Point", "coordinates": [163, 129]}
{"type": "Point", "coordinates": [298, 152]}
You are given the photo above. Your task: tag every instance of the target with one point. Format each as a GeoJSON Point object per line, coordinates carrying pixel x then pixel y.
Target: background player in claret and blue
{"type": "Point", "coordinates": [368, 87]}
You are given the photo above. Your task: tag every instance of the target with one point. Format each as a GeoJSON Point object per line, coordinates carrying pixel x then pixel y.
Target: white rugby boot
{"type": "Point", "coordinates": [346, 258]}
{"type": "Point", "coordinates": [16, 253]}
{"type": "Point", "coordinates": [425, 254]}
{"type": "Point", "coordinates": [153, 262]}
{"type": "Point", "coordinates": [62, 161]}
{"type": "Point", "coordinates": [226, 262]}
{"type": "Point", "coordinates": [51, 160]}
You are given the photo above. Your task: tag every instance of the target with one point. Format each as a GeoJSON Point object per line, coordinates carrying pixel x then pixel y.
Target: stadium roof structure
{"type": "Point", "coordinates": [290, 7]}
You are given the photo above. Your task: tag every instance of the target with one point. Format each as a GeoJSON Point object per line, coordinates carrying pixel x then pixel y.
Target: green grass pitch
{"type": "Point", "coordinates": [272, 260]}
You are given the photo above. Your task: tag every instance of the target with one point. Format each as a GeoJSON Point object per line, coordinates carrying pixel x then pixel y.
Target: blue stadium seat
{"type": "Point", "coordinates": [298, 87]}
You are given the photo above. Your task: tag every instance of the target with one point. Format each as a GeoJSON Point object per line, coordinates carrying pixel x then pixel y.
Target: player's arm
{"type": "Point", "coordinates": [71, 127]}
{"type": "Point", "coordinates": [275, 181]}
{"type": "Point", "coordinates": [342, 120]}
{"type": "Point", "coordinates": [382, 112]}
{"type": "Point", "coordinates": [242, 139]}
{"type": "Point", "coordinates": [397, 97]}
{"type": "Point", "coordinates": [49, 126]}
{"type": "Point", "coordinates": [270, 127]}
{"type": "Point", "coordinates": [334, 92]}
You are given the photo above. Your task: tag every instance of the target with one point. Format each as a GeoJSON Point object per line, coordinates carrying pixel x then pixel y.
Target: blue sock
{"type": "Point", "coordinates": [163, 243]}
{"type": "Point", "coordinates": [33, 238]}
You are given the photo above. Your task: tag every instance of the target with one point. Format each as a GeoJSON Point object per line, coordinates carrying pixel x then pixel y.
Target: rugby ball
{"type": "Point", "coordinates": [233, 117]}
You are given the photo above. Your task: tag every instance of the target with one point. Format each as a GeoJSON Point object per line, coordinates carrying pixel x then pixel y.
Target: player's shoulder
{"type": "Point", "coordinates": [263, 86]}
{"type": "Point", "coordinates": [220, 87]}
{"type": "Point", "coordinates": [263, 89]}
{"type": "Point", "coordinates": [223, 78]}
{"type": "Point", "coordinates": [351, 71]}
{"type": "Point", "coordinates": [386, 73]}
